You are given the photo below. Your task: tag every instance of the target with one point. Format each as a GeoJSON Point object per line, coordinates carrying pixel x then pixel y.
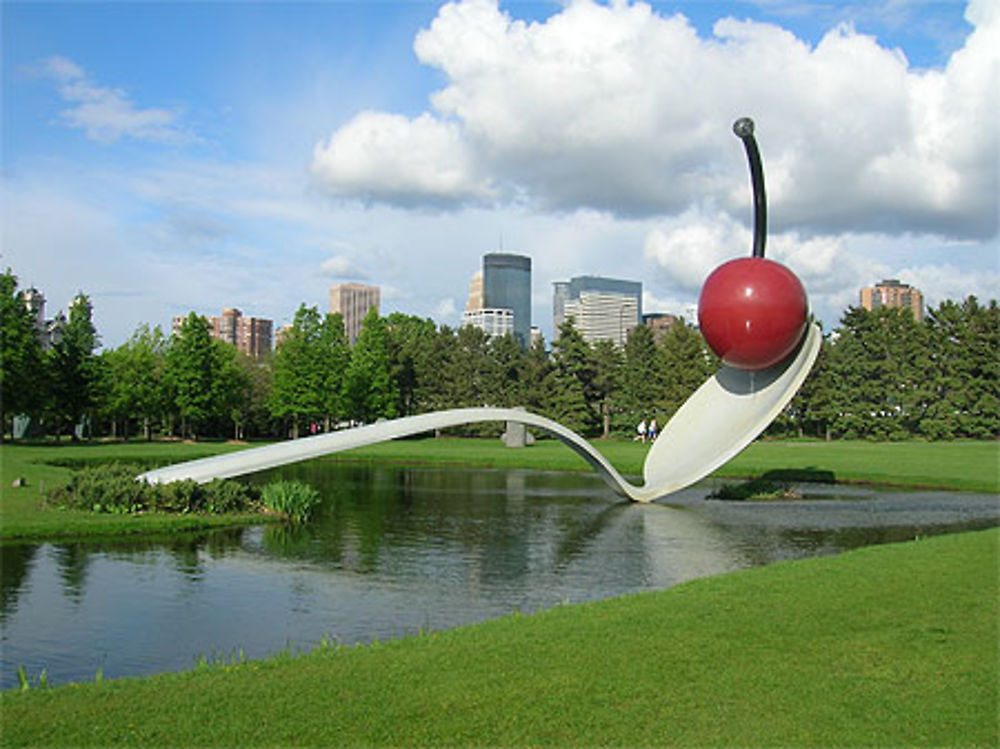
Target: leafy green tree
{"type": "Point", "coordinates": [231, 386]}
{"type": "Point", "coordinates": [368, 387]}
{"type": "Point", "coordinates": [504, 383]}
{"type": "Point", "coordinates": [297, 394]}
{"type": "Point", "coordinates": [413, 366]}
{"type": "Point", "coordinates": [190, 374]}
{"type": "Point", "coordinates": [470, 368]}
{"type": "Point", "coordinates": [435, 373]}
{"type": "Point", "coordinates": [253, 415]}
{"type": "Point", "coordinates": [134, 380]}
{"type": "Point", "coordinates": [74, 367]}
{"type": "Point", "coordinates": [22, 372]}
{"type": "Point", "coordinates": [334, 355]}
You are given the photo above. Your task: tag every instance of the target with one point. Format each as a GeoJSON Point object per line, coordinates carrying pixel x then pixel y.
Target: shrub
{"type": "Point", "coordinates": [113, 488]}
{"type": "Point", "coordinates": [108, 488]}
{"type": "Point", "coordinates": [293, 499]}
{"type": "Point", "coordinates": [758, 489]}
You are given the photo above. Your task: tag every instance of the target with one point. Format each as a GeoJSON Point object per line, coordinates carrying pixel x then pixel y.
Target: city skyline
{"type": "Point", "coordinates": [154, 162]}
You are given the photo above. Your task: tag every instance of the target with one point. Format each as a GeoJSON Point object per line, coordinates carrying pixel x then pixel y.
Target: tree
{"type": "Point", "coordinates": [74, 368]}
{"type": "Point", "coordinates": [685, 362]}
{"type": "Point", "coordinates": [876, 374]}
{"type": "Point", "coordinates": [964, 399]}
{"type": "Point", "coordinates": [299, 372]}
{"type": "Point", "coordinates": [504, 385]}
{"type": "Point", "coordinates": [22, 373]}
{"type": "Point", "coordinates": [134, 380]}
{"type": "Point", "coordinates": [412, 363]}
{"type": "Point", "coordinates": [231, 386]}
{"type": "Point", "coordinates": [470, 368]}
{"type": "Point", "coordinates": [607, 358]}
{"type": "Point", "coordinates": [334, 355]}
{"type": "Point", "coordinates": [368, 387]}
{"type": "Point", "coordinates": [192, 368]}
{"type": "Point", "coordinates": [641, 381]}
{"type": "Point", "coordinates": [537, 366]}
{"type": "Point", "coordinates": [572, 356]}
{"type": "Point", "coordinates": [253, 414]}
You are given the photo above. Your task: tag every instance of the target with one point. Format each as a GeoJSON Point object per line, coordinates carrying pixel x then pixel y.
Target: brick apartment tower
{"type": "Point", "coordinates": [251, 335]}
{"type": "Point", "coordinates": [353, 300]}
{"type": "Point", "coordinates": [892, 293]}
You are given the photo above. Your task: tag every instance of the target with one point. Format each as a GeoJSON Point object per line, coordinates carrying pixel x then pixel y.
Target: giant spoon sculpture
{"type": "Point", "coordinates": [753, 313]}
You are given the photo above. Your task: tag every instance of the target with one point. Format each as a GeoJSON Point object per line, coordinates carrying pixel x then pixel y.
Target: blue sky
{"type": "Point", "coordinates": [164, 157]}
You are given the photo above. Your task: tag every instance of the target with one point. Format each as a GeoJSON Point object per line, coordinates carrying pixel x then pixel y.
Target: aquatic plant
{"type": "Point", "coordinates": [293, 499]}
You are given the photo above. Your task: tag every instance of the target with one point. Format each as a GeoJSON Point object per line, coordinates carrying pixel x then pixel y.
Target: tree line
{"type": "Point", "coordinates": [880, 375]}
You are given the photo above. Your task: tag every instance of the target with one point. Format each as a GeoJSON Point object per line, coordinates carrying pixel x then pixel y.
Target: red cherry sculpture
{"type": "Point", "coordinates": [752, 311]}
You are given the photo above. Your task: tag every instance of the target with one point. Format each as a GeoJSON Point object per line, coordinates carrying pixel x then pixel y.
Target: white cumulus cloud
{"type": "Point", "coordinates": [393, 158]}
{"type": "Point", "coordinates": [618, 108]}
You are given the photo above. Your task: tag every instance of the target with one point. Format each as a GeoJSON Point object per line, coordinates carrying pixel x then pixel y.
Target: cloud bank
{"type": "Point", "coordinates": [618, 109]}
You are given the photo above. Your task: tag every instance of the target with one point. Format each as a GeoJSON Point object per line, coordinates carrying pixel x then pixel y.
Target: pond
{"type": "Point", "coordinates": [395, 551]}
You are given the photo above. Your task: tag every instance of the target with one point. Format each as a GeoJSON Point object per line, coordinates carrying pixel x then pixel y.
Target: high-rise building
{"type": "Point", "coordinates": [891, 293]}
{"type": "Point", "coordinates": [659, 323]}
{"type": "Point", "coordinates": [48, 332]}
{"type": "Point", "coordinates": [507, 285]}
{"type": "Point", "coordinates": [353, 301]}
{"type": "Point", "coordinates": [601, 308]}
{"type": "Point", "coordinates": [495, 322]}
{"type": "Point", "coordinates": [475, 301]}
{"type": "Point", "coordinates": [251, 335]}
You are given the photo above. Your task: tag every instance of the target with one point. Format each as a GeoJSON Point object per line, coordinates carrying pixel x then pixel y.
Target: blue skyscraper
{"type": "Point", "coordinates": [507, 285]}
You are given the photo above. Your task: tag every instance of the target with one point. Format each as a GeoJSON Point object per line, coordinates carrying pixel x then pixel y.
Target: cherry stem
{"type": "Point", "coordinates": [743, 128]}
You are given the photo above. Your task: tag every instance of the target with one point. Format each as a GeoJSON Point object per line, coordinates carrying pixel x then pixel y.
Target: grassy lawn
{"type": "Point", "coordinates": [884, 646]}
{"type": "Point", "coordinates": [961, 465]}
{"type": "Point", "coordinates": [21, 511]}
{"type": "Point", "coordinates": [964, 465]}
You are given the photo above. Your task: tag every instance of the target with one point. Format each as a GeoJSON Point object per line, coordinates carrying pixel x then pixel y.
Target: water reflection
{"type": "Point", "coordinates": [396, 550]}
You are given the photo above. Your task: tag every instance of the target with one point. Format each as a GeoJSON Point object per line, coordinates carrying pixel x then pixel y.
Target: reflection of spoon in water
{"type": "Point", "coordinates": [721, 418]}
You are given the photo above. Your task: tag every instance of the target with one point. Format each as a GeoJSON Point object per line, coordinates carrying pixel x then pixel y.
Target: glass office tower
{"type": "Point", "coordinates": [507, 285]}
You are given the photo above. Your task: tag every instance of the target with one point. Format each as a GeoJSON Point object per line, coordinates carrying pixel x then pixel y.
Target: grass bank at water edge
{"type": "Point", "coordinates": [962, 466]}
{"type": "Point", "coordinates": [883, 646]}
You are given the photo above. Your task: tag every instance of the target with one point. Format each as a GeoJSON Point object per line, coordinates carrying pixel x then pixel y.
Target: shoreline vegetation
{"type": "Point", "coordinates": [41, 468]}
{"type": "Point", "coordinates": [893, 645]}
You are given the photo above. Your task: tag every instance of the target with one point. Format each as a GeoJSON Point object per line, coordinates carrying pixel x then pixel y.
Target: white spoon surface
{"type": "Point", "coordinates": [721, 418]}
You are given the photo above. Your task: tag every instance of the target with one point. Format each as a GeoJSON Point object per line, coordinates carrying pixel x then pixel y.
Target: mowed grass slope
{"type": "Point", "coordinates": [883, 646]}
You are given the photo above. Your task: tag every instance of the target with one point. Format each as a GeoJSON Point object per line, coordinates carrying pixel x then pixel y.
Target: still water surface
{"type": "Point", "coordinates": [397, 550]}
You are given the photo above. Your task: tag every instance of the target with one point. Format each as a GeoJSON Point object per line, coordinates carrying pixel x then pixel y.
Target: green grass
{"type": "Point", "coordinates": [22, 515]}
{"type": "Point", "coordinates": [962, 466]}
{"type": "Point", "coordinates": [884, 646]}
